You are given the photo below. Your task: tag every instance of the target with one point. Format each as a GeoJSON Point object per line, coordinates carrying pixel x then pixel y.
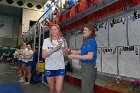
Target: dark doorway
{"type": "Point", "coordinates": [32, 23]}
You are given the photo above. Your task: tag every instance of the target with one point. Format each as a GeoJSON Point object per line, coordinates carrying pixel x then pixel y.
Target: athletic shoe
{"type": "Point", "coordinates": [26, 83]}
{"type": "Point", "coordinates": [21, 80]}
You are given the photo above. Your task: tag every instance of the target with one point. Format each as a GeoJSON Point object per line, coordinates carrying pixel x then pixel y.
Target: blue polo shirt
{"type": "Point", "coordinates": [90, 46]}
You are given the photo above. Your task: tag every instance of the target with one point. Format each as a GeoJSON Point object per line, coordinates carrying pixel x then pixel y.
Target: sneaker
{"type": "Point", "coordinates": [21, 80]}
{"type": "Point", "coordinates": [14, 67]}
{"type": "Point", "coordinates": [26, 83]}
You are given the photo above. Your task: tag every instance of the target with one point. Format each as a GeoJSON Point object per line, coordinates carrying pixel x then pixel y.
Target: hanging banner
{"type": "Point", "coordinates": [129, 61]}
{"type": "Point", "coordinates": [102, 35]}
{"type": "Point", "coordinates": [117, 32]}
{"type": "Point", "coordinates": [133, 30]}
{"type": "Point", "coordinates": [6, 26]}
{"type": "Point", "coordinates": [109, 60]}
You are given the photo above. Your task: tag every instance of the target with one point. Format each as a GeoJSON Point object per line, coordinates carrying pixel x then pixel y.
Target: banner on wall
{"type": "Point", "coordinates": [133, 30]}
{"type": "Point", "coordinates": [117, 32]}
{"type": "Point", "coordinates": [109, 60]}
{"type": "Point", "coordinates": [129, 61]}
{"type": "Point", "coordinates": [6, 26]}
{"type": "Point", "coordinates": [102, 36]}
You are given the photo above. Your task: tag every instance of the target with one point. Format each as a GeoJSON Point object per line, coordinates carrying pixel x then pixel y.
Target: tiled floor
{"type": "Point", "coordinates": [9, 75]}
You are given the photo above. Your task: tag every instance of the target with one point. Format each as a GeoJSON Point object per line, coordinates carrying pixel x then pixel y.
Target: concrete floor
{"type": "Point", "coordinates": [9, 75]}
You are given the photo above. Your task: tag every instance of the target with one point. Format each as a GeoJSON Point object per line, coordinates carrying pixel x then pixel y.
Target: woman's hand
{"type": "Point", "coordinates": [21, 56]}
{"type": "Point", "coordinates": [57, 47]}
{"type": "Point", "coordinates": [46, 53]}
{"type": "Point", "coordinates": [66, 51]}
{"type": "Point", "coordinates": [73, 56]}
{"type": "Point", "coordinates": [66, 48]}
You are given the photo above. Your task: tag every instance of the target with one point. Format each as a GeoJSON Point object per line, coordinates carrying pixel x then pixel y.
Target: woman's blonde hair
{"type": "Point", "coordinates": [60, 33]}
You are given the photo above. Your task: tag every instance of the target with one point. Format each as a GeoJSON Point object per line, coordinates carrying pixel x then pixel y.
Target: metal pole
{"type": "Point", "coordinates": [108, 34]}
{"type": "Point", "coordinates": [39, 30]}
{"type": "Point", "coordinates": [139, 54]}
{"type": "Point", "coordinates": [127, 36]}
{"type": "Point", "coordinates": [34, 38]}
{"type": "Point", "coordinates": [101, 60]}
{"type": "Point", "coordinates": [117, 60]}
{"type": "Point", "coordinates": [42, 31]}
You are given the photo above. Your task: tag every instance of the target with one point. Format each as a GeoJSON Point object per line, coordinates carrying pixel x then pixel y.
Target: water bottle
{"type": "Point", "coordinates": [62, 42]}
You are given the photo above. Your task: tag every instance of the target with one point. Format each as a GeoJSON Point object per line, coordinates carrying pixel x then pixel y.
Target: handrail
{"type": "Point", "coordinates": [44, 14]}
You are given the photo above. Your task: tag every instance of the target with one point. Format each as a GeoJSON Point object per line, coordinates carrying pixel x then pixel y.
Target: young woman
{"type": "Point", "coordinates": [23, 68]}
{"type": "Point", "coordinates": [87, 55]}
{"type": "Point", "coordinates": [28, 62]}
{"type": "Point", "coordinates": [15, 58]}
{"type": "Point", "coordinates": [20, 61]}
{"type": "Point", "coordinates": [54, 60]}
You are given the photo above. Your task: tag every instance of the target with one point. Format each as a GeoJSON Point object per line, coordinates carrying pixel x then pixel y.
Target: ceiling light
{"type": "Point", "coordinates": [9, 1]}
{"type": "Point", "coordinates": [30, 5]}
{"type": "Point", "coordinates": [20, 3]}
{"type": "Point", "coordinates": [38, 6]}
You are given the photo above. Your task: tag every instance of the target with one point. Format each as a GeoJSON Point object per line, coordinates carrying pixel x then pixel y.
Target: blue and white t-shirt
{"type": "Point", "coordinates": [56, 60]}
